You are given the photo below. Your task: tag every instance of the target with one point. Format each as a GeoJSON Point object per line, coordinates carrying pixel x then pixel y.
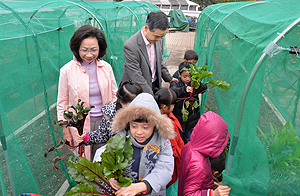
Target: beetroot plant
{"type": "Point", "coordinates": [198, 75]}
{"type": "Point", "coordinates": [71, 120]}
{"type": "Point", "coordinates": [88, 176]}
{"type": "Point", "coordinates": [115, 159]}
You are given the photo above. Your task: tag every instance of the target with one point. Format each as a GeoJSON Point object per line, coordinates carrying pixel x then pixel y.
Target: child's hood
{"type": "Point", "coordinates": [210, 135]}
{"type": "Point", "coordinates": [144, 106]}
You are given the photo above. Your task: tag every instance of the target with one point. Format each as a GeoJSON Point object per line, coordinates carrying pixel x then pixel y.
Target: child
{"type": "Point", "coordinates": [189, 56]}
{"type": "Point", "coordinates": [166, 99]}
{"type": "Point", "coordinates": [183, 89]}
{"type": "Point", "coordinates": [209, 138]}
{"type": "Point", "coordinates": [125, 94]}
{"type": "Point", "coordinates": [152, 164]}
{"type": "Point", "coordinates": [217, 166]}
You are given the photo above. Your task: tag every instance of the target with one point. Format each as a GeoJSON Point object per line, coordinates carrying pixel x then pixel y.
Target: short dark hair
{"type": "Point", "coordinates": [165, 96]}
{"type": "Point", "coordinates": [127, 92]}
{"type": "Point", "coordinates": [184, 65]}
{"type": "Point", "coordinates": [141, 120]}
{"type": "Point", "coordinates": [190, 54]}
{"type": "Point", "coordinates": [84, 32]}
{"type": "Point", "coordinates": [157, 20]}
{"type": "Point", "coordinates": [218, 163]}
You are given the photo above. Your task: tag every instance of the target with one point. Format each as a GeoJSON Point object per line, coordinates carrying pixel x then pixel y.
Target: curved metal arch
{"type": "Point", "coordinates": [227, 4]}
{"type": "Point", "coordinates": [233, 12]}
{"type": "Point", "coordinates": [225, 18]}
{"type": "Point", "coordinates": [130, 11]}
{"type": "Point", "coordinates": [142, 2]}
{"type": "Point", "coordinates": [72, 3]}
{"type": "Point", "coordinates": [96, 11]}
{"type": "Point", "coordinates": [84, 8]}
{"type": "Point", "coordinates": [244, 96]}
{"type": "Point", "coordinates": [1, 130]}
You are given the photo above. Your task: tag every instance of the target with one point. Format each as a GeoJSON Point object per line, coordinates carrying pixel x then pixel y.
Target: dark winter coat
{"type": "Point", "coordinates": [194, 115]}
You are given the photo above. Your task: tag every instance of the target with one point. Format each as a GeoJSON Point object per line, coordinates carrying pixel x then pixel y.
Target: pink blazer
{"type": "Point", "coordinates": [74, 85]}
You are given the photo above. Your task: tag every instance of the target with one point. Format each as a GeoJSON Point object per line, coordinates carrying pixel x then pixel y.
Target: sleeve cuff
{"type": "Point", "coordinates": [210, 192]}
{"type": "Point", "coordinates": [149, 188]}
{"type": "Point", "coordinates": [86, 138]}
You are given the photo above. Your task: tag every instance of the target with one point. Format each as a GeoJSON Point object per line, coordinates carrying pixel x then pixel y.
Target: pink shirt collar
{"type": "Point", "coordinates": [144, 38]}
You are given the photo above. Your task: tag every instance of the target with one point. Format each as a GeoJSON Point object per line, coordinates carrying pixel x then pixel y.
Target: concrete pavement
{"type": "Point", "coordinates": [177, 43]}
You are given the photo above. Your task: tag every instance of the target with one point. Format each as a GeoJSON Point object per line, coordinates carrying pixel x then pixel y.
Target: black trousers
{"type": "Point", "coordinates": [155, 86]}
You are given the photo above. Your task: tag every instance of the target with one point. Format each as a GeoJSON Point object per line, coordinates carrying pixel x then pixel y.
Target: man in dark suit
{"type": "Point", "coordinates": [143, 54]}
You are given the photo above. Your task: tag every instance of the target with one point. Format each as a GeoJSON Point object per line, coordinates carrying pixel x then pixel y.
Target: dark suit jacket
{"type": "Point", "coordinates": [137, 66]}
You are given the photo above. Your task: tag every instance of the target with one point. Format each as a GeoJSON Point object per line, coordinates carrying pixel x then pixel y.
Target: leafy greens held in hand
{"type": "Point", "coordinates": [197, 75]}
{"type": "Point", "coordinates": [115, 159]}
{"type": "Point", "coordinates": [72, 120]}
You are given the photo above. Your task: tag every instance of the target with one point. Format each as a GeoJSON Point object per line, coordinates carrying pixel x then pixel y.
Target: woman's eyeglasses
{"type": "Point", "coordinates": [94, 51]}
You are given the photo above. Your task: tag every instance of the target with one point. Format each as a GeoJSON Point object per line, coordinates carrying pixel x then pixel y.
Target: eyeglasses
{"type": "Point", "coordinates": [94, 51]}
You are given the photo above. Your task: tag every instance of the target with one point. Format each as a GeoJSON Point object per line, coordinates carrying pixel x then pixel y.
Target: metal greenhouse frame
{"type": "Point", "coordinates": [254, 46]}
{"type": "Point", "coordinates": [35, 37]}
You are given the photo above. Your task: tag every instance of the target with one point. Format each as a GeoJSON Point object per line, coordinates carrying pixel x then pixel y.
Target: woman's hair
{"type": "Point", "coordinates": [84, 32]}
{"type": "Point", "coordinates": [165, 96]}
{"type": "Point", "coordinates": [127, 92]}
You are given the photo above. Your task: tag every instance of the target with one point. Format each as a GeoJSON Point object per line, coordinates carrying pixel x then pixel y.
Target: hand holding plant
{"type": "Point", "coordinates": [115, 159]}
{"type": "Point", "coordinates": [72, 120]}
{"type": "Point", "coordinates": [197, 76]}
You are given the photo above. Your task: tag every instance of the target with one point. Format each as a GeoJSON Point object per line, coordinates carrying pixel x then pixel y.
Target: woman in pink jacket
{"type": "Point", "coordinates": [86, 77]}
{"type": "Point", "coordinates": [208, 139]}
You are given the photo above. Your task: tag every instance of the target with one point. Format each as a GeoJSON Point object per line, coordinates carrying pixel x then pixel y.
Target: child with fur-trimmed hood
{"type": "Point", "coordinates": [152, 164]}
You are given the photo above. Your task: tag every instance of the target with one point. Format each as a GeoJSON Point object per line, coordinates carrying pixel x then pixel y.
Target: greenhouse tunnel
{"type": "Point", "coordinates": [252, 45]}
{"type": "Point", "coordinates": [35, 39]}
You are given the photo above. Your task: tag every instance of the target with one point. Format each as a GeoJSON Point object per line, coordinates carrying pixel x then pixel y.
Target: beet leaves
{"type": "Point", "coordinates": [198, 74]}
{"type": "Point", "coordinates": [71, 120]}
{"type": "Point", "coordinates": [115, 159]}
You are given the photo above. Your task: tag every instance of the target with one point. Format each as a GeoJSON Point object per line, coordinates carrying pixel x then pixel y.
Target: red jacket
{"type": "Point", "coordinates": [208, 139]}
{"type": "Point", "coordinates": [177, 144]}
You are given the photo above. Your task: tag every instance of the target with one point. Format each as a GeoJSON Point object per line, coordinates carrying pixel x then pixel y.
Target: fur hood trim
{"type": "Point", "coordinates": [162, 123]}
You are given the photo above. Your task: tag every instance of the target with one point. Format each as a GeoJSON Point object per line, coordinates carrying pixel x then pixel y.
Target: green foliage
{"type": "Point", "coordinates": [83, 190]}
{"type": "Point", "coordinates": [85, 171]}
{"type": "Point", "coordinates": [115, 159]}
{"type": "Point", "coordinates": [75, 120]}
{"type": "Point", "coordinates": [198, 75]}
{"type": "Point", "coordinates": [283, 149]}
{"type": "Point", "coordinates": [72, 120]}
{"type": "Point", "coordinates": [185, 114]}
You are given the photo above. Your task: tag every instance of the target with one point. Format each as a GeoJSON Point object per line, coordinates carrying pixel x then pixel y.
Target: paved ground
{"type": "Point", "coordinates": [177, 43]}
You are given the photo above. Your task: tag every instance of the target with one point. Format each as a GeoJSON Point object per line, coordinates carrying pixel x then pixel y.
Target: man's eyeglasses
{"type": "Point", "coordinates": [94, 51]}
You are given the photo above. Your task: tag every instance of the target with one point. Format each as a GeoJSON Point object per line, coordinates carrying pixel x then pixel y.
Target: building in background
{"type": "Point", "coordinates": [189, 8]}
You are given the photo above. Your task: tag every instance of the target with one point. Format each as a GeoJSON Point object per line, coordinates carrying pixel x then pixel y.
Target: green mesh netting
{"type": "Point", "coordinates": [248, 44]}
{"type": "Point", "coordinates": [34, 37]}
